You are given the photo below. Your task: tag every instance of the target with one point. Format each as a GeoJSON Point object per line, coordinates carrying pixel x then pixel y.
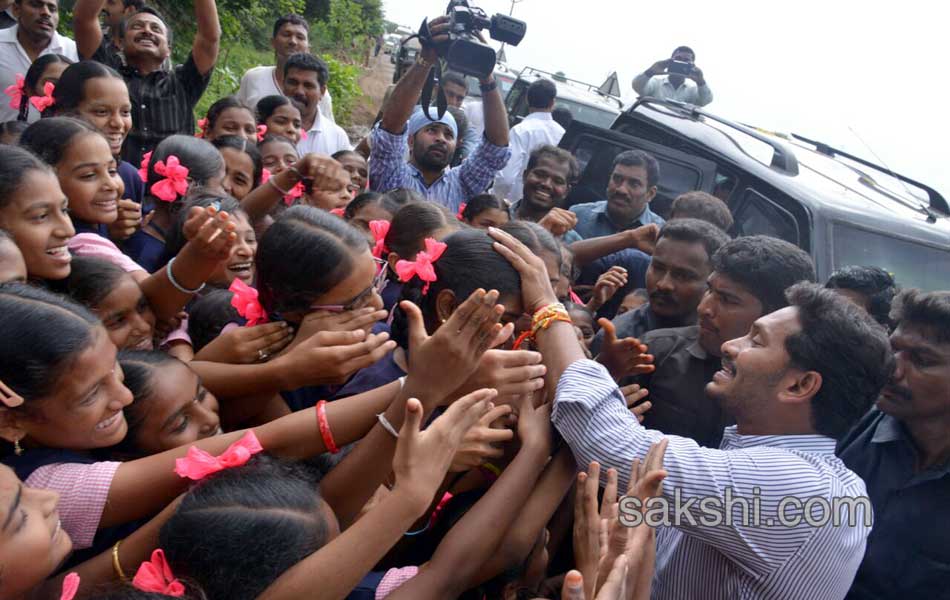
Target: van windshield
{"type": "Point", "coordinates": [592, 115]}
{"type": "Point", "coordinates": [913, 265]}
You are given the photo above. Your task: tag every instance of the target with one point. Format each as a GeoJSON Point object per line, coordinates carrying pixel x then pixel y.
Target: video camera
{"type": "Point", "coordinates": [464, 51]}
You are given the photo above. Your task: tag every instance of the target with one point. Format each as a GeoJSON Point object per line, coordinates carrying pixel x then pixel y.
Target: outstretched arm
{"type": "Point", "coordinates": [208, 38]}
{"type": "Point", "coordinates": [86, 26]}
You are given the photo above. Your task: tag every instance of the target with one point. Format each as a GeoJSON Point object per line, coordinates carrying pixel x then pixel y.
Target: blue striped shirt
{"type": "Point", "coordinates": [724, 561]}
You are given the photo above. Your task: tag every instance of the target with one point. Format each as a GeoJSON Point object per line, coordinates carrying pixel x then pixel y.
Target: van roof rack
{"type": "Point", "coordinates": [783, 159]}
{"type": "Point", "coordinates": [935, 200]}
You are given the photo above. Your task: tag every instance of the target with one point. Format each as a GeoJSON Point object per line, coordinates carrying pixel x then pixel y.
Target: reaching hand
{"type": "Point", "coordinates": [587, 526]}
{"type": "Point", "coordinates": [128, 221]}
{"type": "Point", "coordinates": [481, 441]}
{"type": "Point", "coordinates": [633, 393]}
{"type": "Point", "coordinates": [645, 482]}
{"type": "Point", "coordinates": [423, 457]}
{"type": "Point", "coordinates": [623, 357]}
{"type": "Point", "coordinates": [644, 238]}
{"type": "Point", "coordinates": [607, 285]}
{"type": "Point", "coordinates": [534, 424]}
{"type": "Point", "coordinates": [558, 221]}
{"type": "Point", "coordinates": [439, 362]}
{"type": "Point", "coordinates": [246, 345]}
{"type": "Point", "coordinates": [511, 372]}
{"type": "Point", "coordinates": [536, 290]}
{"type": "Point", "coordinates": [321, 172]}
{"type": "Point", "coordinates": [613, 589]}
{"type": "Point", "coordinates": [210, 232]}
{"type": "Point", "coordinates": [330, 357]}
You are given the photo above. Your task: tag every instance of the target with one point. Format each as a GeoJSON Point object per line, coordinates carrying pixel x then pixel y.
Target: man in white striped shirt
{"type": "Point", "coordinates": [797, 382]}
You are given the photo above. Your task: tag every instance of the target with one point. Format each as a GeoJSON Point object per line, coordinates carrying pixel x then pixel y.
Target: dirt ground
{"type": "Point", "coordinates": [373, 82]}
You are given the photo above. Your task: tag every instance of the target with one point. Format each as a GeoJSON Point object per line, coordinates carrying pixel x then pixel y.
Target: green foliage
{"type": "Point", "coordinates": [344, 88]}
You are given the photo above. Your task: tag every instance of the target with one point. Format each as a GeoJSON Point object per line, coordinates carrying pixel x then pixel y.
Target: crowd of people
{"type": "Point", "coordinates": [243, 359]}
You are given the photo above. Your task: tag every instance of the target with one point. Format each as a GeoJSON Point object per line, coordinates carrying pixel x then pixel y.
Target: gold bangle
{"type": "Point", "coordinates": [116, 565]}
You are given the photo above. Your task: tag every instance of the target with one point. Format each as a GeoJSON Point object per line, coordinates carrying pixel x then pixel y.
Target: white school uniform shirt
{"type": "Point", "coordinates": [536, 129]}
{"type": "Point", "coordinates": [14, 60]}
{"type": "Point", "coordinates": [262, 81]}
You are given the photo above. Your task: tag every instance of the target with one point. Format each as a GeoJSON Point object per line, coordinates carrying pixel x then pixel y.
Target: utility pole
{"type": "Point", "coordinates": [511, 13]}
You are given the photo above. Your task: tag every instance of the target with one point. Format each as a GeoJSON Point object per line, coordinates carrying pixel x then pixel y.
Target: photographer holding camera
{"type": "Point", "coordinates": [432, 139]}
{"type": "Point", "coordinates": [677, 78]}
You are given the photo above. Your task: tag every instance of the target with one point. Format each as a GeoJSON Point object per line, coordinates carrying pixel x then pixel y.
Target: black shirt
{"type": "Point", "coordinates": [163, 102]}
{"type": "Point", "coordinates": [636, 323]}
{"type": "Point", "coordinates": [908, 552]}
{"type": "Point", "coordinates": [678, 387]}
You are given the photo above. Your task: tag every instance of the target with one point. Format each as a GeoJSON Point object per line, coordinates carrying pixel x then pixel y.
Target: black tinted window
{"type": "Point", "coordinates": [757, 215]}
{"type": "Point", "coordinates": [911, 264]}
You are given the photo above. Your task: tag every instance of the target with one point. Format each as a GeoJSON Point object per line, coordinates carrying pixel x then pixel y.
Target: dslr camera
{"type": "Point", "coordinates": [464, 51]}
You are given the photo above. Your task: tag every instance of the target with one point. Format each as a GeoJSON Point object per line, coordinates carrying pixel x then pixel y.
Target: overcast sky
{"type": "Point", "coordinates": [839, 71]}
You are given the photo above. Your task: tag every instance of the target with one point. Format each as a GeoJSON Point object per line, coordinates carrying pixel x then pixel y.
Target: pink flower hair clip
{"type": "Point", "coordinates": [461, 210]}
{"type": "Point", "coordinates": [295, 192]}
{"type": "Point", "coordinates": [16, 91]}
{"type": "Point", "coordinates": [70, 587]}
{"type": "Point", "coordinates": [156, 576]}
{"type": "Point", "coordinates": [202, 128]}
{"type": "Point", "coordinates": [198, 464]}
{"type": "Point", "coordinates": [175, 181]}
{"type": "Point", "coordinates": [379, 229]}
{"type": "Point", "coordinates": [337, 212]}
{"type": "Point", "coordinates": [143, 166]}
{"type": "Point", "coordinates": [43, 102]}
{"type": "Point", "coordinates": [246, 302]}
{"type": "Point", "coordinates": [261, 132]}
{"type": "Point", "coordinates": [424, 265]}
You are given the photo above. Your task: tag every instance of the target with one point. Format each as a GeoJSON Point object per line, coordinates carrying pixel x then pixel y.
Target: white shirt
{"type": "Point", "coordinates": [659, 86]}
{"type": "Point", "coordinates": [15, 61]}
{"type": "Point", "coordinates": [262, 81]}
{"type": "Point", "coordinates": [472, 107]}
{"type": "Point", "coordinates": [325, 137]}
{"type": "Point", "coordinates": [537, 129]}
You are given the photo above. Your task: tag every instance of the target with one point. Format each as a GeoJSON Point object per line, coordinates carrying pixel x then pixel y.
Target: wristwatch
{"type": "Point", "coordinates": [491, 86]}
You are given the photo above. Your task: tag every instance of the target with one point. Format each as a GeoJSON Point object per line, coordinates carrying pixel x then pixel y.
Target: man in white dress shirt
{"type": "Point", "coordinates": [305, 83]}
{"type": "Point", "coordinates": [670, 80]}
{"type": "Point", "coordinates": [291, 35]}
{"type": "Point", "coordinates": [33, 36]}
{"type": "Point", "coordinates": [536, 130]}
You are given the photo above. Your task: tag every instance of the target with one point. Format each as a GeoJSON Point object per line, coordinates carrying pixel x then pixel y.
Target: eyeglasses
{"type": "Point", "coordinates": [379, 284]}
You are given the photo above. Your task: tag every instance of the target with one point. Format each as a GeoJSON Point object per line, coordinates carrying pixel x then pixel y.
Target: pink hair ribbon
{"type": "Point", "coordinates": [461, 210]}
{"type": "Point", "coordinates": [575, 298]}
{"type": "Point", "coordinates": [337, 212]}
{"type": "Point", "coordinates": [198, 464]}
{"type": "Point", "coordinates": [246, 302]}
{"type": "Point", "coordinates": [202, 128]}
{"type": "Point", "coordinates": [156, 576]}
{"type": "Point", "coordinates": [261, 132]}
{"type": "Point", "coordinates": [303, 135]}
{"type": "Point", "coordinates": [424, 265]}
{"type": "Point", "coordinates": [143, 166]}
{"type": "Point", "coordinates": [379, 229]}
{"type": "Point", "coordinates": [175, 182]}
{"type": "Point", "coordinates": [70, 587]}
{"type": "Point", "coordinates": [46, 100]}
{"type": "Point", "coordinates": [15, 92]}
{"type": "Point", "coordinates": [265, 175]}
{"type": "Point", "coordinates": [295, 192]}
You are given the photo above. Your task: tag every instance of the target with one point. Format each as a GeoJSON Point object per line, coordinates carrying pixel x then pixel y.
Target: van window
{"type": "Point", "coordinates": [757, 215]}
{"type": "Point", "coordinates": [592, 115]}
{"type": "Point", "coordinates": [913, 265]}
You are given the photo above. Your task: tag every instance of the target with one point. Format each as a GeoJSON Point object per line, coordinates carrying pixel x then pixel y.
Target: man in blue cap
{"type": "Point", "coordinates": [432, 141]}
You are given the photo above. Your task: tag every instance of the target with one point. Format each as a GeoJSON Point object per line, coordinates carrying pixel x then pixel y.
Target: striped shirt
{"type": "Point", "coordinates": [724, 561]}
{"type": "Point", "coordinates": [389, 170]}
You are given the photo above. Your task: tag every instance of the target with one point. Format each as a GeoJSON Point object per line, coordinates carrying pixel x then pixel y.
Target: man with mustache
{"type": "Point", "coordinates": [675, 282]}
{"type": "Point", "coordinates": [163, 100]}
{"type": "Point", "coordinates": [433, 143]}
{"type": "Point", "coordinates": [291, 36]}
{"type": "Point", "coordinates": [737, 521]}
{"type": "Point", "coordinates": [631, 187]}
{"type": "Point", "coordinates": [901, 449]}
{"type": "Point", "coordinates": [305, 83]}
{"type": "Point", "coordinates": [33, 35]}
{"type": "Point", "coordinates": [749, 278]}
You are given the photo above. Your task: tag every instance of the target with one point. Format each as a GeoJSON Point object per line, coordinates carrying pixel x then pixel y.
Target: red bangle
{"type": "Point", "coordinates": [325, 427]}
